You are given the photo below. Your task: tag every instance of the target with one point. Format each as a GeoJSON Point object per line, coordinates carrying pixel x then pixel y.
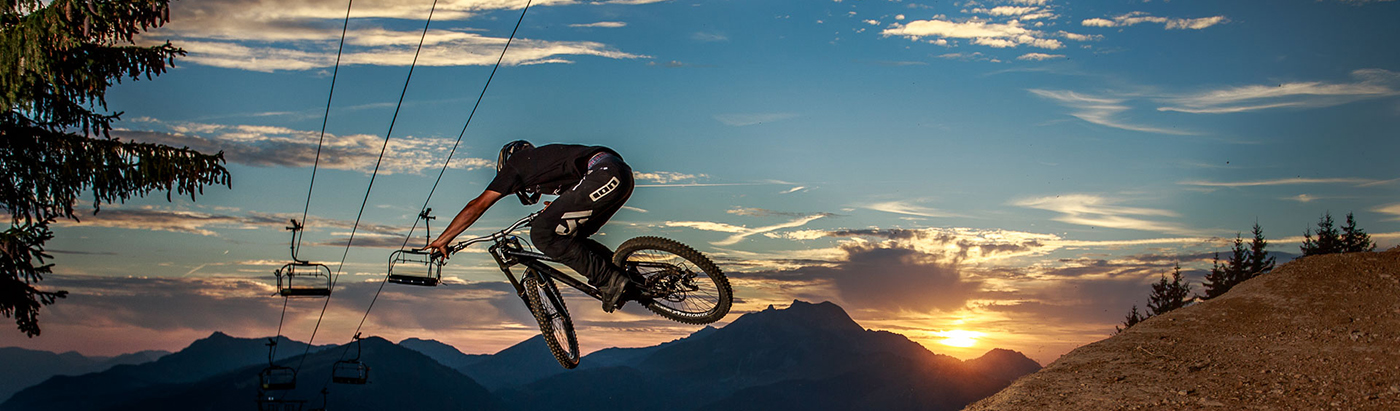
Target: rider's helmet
{"type": "Point", "coordinates": [509, 149]}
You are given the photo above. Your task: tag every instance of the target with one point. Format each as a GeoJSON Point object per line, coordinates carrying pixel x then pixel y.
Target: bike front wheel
{"type": "Point", "coordinates": [555, 325]}
{"type": "Point", "coordinates": [677, 282]}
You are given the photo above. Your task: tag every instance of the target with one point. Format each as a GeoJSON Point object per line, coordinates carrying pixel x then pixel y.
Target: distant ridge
{"type": "Point", "coordinates": [23, 368]}
{"type": "Point", "coordinates": [203, 358]}
{"type": "Point", "coordinates": [399, 379]}
{"type": "Point", "coordinates": [805, 356]}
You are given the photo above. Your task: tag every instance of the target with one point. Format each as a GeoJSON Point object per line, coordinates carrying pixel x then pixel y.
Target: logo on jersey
{"type": "Point", "coordinates": [604, 190]}
{"type": "Point", "coordinates": [569, 222]}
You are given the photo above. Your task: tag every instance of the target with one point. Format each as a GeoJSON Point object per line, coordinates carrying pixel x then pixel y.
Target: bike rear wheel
{"type": "Point", "coordinates": [677, 282]}
{"type": "Point", "coordinates": [555, 325]}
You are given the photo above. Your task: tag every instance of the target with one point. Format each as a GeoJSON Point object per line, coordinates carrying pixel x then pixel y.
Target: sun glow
{"type": "Point", "coordinates": [959, 338]}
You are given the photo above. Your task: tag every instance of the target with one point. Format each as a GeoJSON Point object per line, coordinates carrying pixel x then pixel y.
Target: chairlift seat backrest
{"type": "Point", "coordinates": [414, 267]}
{"type": "Point", "coordinates": [350, 372]}
{"type": "Point", "coordinates": [278, 378]}
{"type": "Point", "coordinates": [301, 279]}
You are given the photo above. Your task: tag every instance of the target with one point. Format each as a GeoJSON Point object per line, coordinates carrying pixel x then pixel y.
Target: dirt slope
{"type": "Point", "coordinates": [1318, 333]}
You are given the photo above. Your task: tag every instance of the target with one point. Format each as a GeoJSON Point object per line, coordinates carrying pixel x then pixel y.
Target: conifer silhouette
{"type": "Point", "coordinates": [60, 56]}
{"type": "Point", "coordinates": [1259, 262]}
{"type": "Point", "coordinates": [1328, 240]}
{"type": "Point", "coordinates": [1224, 276]}
{"type": "Point", "coordinates": [1354, 239]}
{"type": "Point", "coordinates": [1169, 295]}
{"type": "Point", "coordinates": [1132, 319]}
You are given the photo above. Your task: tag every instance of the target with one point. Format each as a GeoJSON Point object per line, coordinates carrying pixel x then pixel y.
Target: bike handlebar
{"type": "Point", "coordinates": [496, 235]}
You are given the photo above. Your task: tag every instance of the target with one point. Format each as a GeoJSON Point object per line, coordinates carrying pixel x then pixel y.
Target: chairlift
{"type": "Point", "coordinates": [416, 266]}
{"type": "Point", "coordinates": [301, 278]}
{"type": "Point", "coordinates": [276, 377]}
{"type": "Point", "coordinates": [351, 371]}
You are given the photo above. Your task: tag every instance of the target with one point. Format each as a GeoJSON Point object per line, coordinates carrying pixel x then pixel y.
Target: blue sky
{"type": "Point", "coordinates": [1020, 169]}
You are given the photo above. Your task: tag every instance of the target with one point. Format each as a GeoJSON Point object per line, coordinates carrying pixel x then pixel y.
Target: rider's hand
{"type": "Point", "coordinates": [438, 248]}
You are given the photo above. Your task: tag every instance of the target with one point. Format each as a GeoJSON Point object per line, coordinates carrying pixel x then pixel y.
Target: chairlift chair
{"type": "Point", "coordinates": [276, 377]}
{"type": "Point", "coordinates": [351, 371]}
{"type": "Point", "coordinates": [416, 266]}
{"type": "Point", "coordinates": [301, 278]}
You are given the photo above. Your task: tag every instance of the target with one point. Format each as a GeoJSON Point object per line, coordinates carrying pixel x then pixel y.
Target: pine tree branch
{"type": "Point", "coordinates": [42, 172]}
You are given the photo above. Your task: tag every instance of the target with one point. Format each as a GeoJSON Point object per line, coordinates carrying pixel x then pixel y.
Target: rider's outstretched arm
{"type": "Point", "coordinates": [464, 219]}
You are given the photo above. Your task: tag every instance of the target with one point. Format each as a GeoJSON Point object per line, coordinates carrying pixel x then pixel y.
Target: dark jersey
{"type": "Point", "coordinates": [548, 169]}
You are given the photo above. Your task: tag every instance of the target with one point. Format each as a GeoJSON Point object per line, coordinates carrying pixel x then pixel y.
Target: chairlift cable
{"type": "Point", "coordinates": [479, 97]}
{"type": "Point", "coordinates": [326, 118]}
{"type": "Point", "coordinates": [281, 320]}
{"type": "Point", "coordinates": [449, 159]}
{"type": "Point", "coordinates": [387, 136]}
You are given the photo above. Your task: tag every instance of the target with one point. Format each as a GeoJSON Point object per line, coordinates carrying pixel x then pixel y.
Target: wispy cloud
{"type": "Point", "coordinates": [1097, 211]}
{"type": "Point", "coordinates": [1369, 84]}
{"type": "Point", "coordinates": [207, 224]}
{"type": "Point", "coordinates": [666, 177]}
{"type": "Point", "coordinates": [270, 36]}
{"type": "Point", "coordinates": [1285, 181]}
{"type": "Point", "coordinates": [467, 49]}
{"type": "Point", "coordinates": [907, 208]}
{"type": "Point", "coordinates": [1104, 111]}
{"type": "Point", "coordinates": [178, 221]}
{"type": "Point", "coordinates": [1138, 17]}
{"type": "Point", "coordinates": [709, 37]}
{"type": "Point", "coordinates": [280, 146]}
{"type": "Point", "coordinates": [1392, 209]}
{"type": "Point", "coordinates": [741, 232]}
{"type": "Point", "coordinates": [749, 119]}
{"type": "Point", "coordinates": [997, 35]}
{"type": "Point", "coordinates": [602, 24]}
{"type": "Point", "coordinates": [763, 212]}
{"type": "Point", "coordinates": [1040, 56]}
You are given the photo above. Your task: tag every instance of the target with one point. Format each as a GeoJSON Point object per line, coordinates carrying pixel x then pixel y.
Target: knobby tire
{"type": "Point", "coordinates": [713, 303]}
{"type": "Point", "coordinates": [547, 305]}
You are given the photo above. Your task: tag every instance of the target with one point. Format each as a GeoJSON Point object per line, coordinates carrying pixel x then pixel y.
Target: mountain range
{"type": "Point", "coordinates": [24, 367]}
{"type": "Point", "coordinates": [805, 356]}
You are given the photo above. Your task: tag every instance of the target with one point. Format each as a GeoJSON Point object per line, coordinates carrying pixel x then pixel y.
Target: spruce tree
{"type": "Point", "coordinates": [60, 56]}
{"type": "Point", "coordinates": [1169, 295]}
{"type": "Point", "coordinates": [1354, 239]}
{"type": "Point", "coordinates": [1259, 262]}
{"type": "Point", "coordinates": [1328, 240]}
{"type": "Point", "coordinates": [1132, 319]}
{"type": "Point", "coordinates": [1222, 277]}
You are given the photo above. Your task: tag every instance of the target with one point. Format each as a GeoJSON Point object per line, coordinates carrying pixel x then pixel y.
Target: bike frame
{"type": "Point", "coordinates": [507, 252]}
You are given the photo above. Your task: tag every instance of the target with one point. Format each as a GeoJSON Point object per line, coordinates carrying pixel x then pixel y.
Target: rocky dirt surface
{"type": "Point", "coordinates": [1318, 333]}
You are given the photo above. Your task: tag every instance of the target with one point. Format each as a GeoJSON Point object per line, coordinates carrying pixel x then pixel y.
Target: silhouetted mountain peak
{"type": "Point", "coordinates": [527, 347]}
{"type": "Point", "coordinates": [1002, 354]}
{"type": "Point", "coordinates": [802, 317]}
{"type": "Point", "coordinates": [1003, 364]}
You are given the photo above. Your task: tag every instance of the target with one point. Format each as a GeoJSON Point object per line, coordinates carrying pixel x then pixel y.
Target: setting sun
{"type": "Point", "coordinates": [959, 338]}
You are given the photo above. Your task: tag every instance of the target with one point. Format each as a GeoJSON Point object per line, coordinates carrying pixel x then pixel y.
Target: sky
{"type": "Point", "coordinates": [970, 174]}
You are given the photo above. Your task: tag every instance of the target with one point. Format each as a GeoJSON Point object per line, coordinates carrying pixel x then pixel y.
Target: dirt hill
{"type": "Point", "coordinates": [1319, 333]}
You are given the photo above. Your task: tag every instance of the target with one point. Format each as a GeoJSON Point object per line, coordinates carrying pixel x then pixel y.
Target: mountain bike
{"type": "Point", "coordinates": [669, 278]}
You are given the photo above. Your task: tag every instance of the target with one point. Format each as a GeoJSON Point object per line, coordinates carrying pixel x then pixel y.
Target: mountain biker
{"type": "Point", "coordinates": [592, 183]}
